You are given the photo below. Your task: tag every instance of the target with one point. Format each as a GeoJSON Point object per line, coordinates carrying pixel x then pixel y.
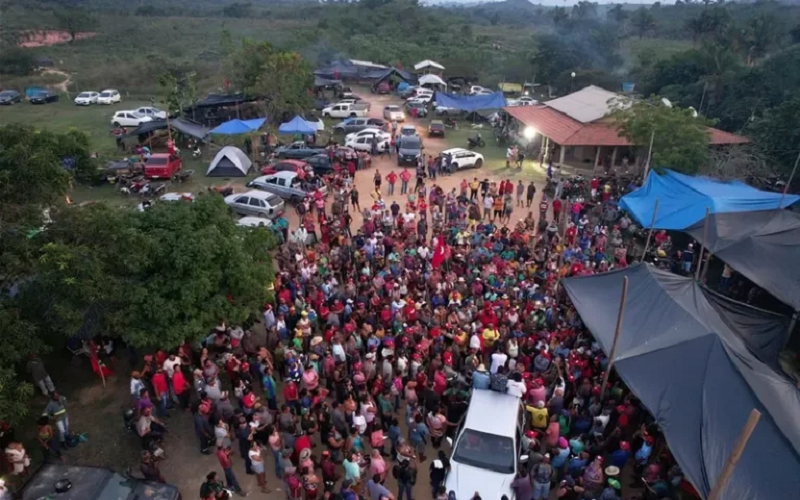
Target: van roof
{"type": "Point", "coordinates": [492, 412]}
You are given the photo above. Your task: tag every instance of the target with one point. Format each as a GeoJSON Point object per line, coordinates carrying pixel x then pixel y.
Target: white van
{"type": "Point", "coordinates": [486, 452]}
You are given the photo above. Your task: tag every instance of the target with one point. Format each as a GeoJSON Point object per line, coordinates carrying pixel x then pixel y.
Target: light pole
{"type": "Point", "coordinates": [571, 81]}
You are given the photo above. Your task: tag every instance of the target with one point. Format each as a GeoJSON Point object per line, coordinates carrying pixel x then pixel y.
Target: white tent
{"type": "Point", "coordinates": [427, 63]}
{"type": "Point", "coordinates": [432, 80]}
{"type": "Point", "coordinates": [229, 162]}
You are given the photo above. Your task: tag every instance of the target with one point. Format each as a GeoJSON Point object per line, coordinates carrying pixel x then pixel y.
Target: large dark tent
{"type": "Point", "coordinates": [700, 363]}
{"type": "Point", "coordinates": [762, 245]}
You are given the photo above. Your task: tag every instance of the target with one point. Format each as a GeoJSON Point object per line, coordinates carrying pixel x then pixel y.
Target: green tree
{"type": "Point", "coordinates": [282, 78]}
{"type": "Point", "coordinates": [777, 132]}
{"type": "Point", "coordinates": [760, 34]}
{"type": "Point", "coordinates": [618, 14]}
{"type": "Point", "coordinates": [680, 140]}
{"type": "Point", "coordinates": [584, 10]}
{"type": "Point", "coordinates": [187, 266]}
{"type": "Point", "coordinates": [560, 17]}
{"type": "Point", "coordinates": [74, 20]}
{"type": "Point", "coordinates": [643, 22]}
{"type": "Point", "coordinates": [16, 61]}
{"type": "Point", "coordinates": [180, 88]}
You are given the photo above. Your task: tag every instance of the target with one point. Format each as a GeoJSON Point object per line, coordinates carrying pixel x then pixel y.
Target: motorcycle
{"type": "Point", "coordinates": [450, 123]}
{"type": "Point", "coordinates": [476, 141]}
{"type": "Point", "coordinates": [182, 176]}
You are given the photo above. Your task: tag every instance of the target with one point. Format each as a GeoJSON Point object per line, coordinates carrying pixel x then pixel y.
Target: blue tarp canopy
{"type": "Point", "coordinates": [700, 363]}
{"type": "Point", "coordinates": [472, 102]}
{"type": "Point", "coordinates": [235, 127]}
{"type": "Point", "coordinates": [297, 125]}
{"type": "Point", "coordinates": [683, 199]}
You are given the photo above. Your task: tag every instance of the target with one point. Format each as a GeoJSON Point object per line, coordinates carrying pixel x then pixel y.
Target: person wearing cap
{"type": "Point", "coordinates": [612, 491]}
{"type": "Point", "coordinates": [542, 474]}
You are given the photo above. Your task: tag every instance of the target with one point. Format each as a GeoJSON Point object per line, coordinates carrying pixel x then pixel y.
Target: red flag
{"type": "Point", "coordinates": [439, 254]}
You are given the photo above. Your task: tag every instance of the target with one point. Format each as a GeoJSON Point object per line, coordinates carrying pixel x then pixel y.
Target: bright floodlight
{"type": "Point", "coordinates": [529, 132]}
{"type": "Point", "coordinates": [572, 74]}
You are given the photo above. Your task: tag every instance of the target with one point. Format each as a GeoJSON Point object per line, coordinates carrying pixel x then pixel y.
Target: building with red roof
{"type": "Point", "coordinates": [576, 130]}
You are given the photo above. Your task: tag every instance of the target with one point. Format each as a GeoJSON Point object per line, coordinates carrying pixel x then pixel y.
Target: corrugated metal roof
{"type": "Point", "coordinates": [427, 63]}
{"type": "Point", "coordinates": [586, 105]}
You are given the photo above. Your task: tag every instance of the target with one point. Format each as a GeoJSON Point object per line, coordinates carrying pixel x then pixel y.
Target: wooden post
{"type": "Point", "coordinates": [702, 245]}
{"type": "Point", "coordinates": [561, 155]}
{"type": "Point", "coordinates": [736, 454]}
{"type": "Point", "coordinates": [617, 330]}
{"type": "Point", "coordinates": [649, 155]}
{"type": "Point", "coordinates": [597, 158]}
{"type": "Point", "coordinates": [650, 234]}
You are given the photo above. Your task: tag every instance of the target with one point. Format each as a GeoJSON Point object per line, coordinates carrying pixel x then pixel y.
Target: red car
{"type": "Point", "coordinates": [295, 166]}
{"type": "Point", "coordinates": [162, 166]}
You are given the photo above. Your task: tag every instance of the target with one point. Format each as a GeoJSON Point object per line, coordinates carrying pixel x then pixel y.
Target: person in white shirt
{"type": "Point", "coordinates": [499, 359]}
{"type": "Point", "coordinates": [516, 387]}
{"type": "Point", "coordinates": [487, 206]}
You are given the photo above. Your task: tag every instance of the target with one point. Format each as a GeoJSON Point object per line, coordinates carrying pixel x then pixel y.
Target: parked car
{"type": "Point", "coordinates": [321, 103]}
{"type": "Point", "coordinates": [369, 132]}
{"type": "Point", "coordinates": [420, 92]}
{"type": "Point", "coordinates": [436, 128]}
{"type": "Point", "coordinates": [284, 166]}
{"type": "Point", "coordinates": [364, 143]}
{"type": "Point", "coordinates": [495, 421]}
{"type": "Point", "coordinates": [463, 158]}
{"type": "Point", "coordinates": [128, 118]}
{"type": "Point", "coordinates": [154, 113]}
{"type": "Point", "coordinates": [297, 150]}
{"type": "Point", "coordinates": [320, 163]}
{"type": "Point", "coordinates": [256, 203]}
{"type": "Point", "coordinates": [109, 96]}
{"type": "Point", "coordinates": [447, 111]}
{"type": "Point", "coordinates": [72, 482]}
{"type": "Point", "coordinates": [254, 221]}
{"type": "Point", "coordinates": [407, 92]}
{"type": "Point", "coordinates": [484, 92]}
{"type": "Point", "coordinates": [86, 98]}
{"type": "Point", "coordinates": [408, 130]}
{"type": "Point", "coordinates": [475, 89]}
{"type": "Point", "coordinates": [344, 111]}
{"type": "Point", "coordinates": [186, 196]}
{"type": "Point", "coordinates": [522, 101]}
{"type": "Point", "coordinates": [9, 97]}
{"type": "Point", "coordinates": [382, 88]}
{"type": "Point", "coordinates": [346, 93]}
{"type": "Point", "coordinates": [394, 113]}
{"type": "Point", "coordinates": [420, 106]}
{"type": "Point", "coordinates": [422, 97]}
{"type": "Point", "coordinates": [410, 150]}
{"type": "Point", "coordinates": [162, 166]}
{"type": "Point", "coordinates": [288, 186]}
{"type": "Point", "coordinates": [351, 125]}
{"type": "Point", "coordinates": [43, 97]}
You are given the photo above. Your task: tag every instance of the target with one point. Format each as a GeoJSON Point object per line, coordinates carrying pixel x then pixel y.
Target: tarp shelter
{"type": "Point", "coordinates": [182, 125]}
{"type": "Point", "coordinates": [297, 125]}
{"type": "Point", "coordinates": [761, 245]}
{"type": "Point", "coordinates": [229, 162]}
{"type": "Point", "coordinates": [325, 82]}
{"type": "Point", "coordinates": [235, 127]}
{"type": "Point", "coordinates": [377, 76]}
{"type": "Point", "coordinates": [219, 100]}
{"type": "Point", "coordinates": [432, 80]}
{"type": "Point", "coordinates": [700, 363]}
{"type": "Point", "coordinates": [471, 103]}
{"type": "Point", "coordinates": [683, 199]}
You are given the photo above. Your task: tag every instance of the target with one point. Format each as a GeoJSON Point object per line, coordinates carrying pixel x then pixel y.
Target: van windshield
{"type": "Point", "coordinates": [485, 451]}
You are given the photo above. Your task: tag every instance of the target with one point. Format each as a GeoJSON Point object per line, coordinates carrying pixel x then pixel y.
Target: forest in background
{"type": "Point", "coordinates": [735, 63]}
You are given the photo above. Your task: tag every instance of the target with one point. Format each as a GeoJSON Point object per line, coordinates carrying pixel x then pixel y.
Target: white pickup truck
{"type": "Point", "coordinates": [345, 110]}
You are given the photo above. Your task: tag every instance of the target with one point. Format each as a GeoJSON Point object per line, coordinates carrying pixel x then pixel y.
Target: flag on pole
{"type": "Point", "coordinates": [439, 253]}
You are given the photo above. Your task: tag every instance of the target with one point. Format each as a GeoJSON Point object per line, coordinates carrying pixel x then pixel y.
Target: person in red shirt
{"type": "Point", "coordinates": [290, 394]}
{"type": "Point", "coordinates": [571, 233]}
{"type": "Point", "coordinates": [181, 387]}
{"type": "Point", "coordinates": [224, 457]}
{"type": "Point", "coordinates": [595, 184]}
{"type": "Point", "coordinates": [556, 209]}
{"type": "Point", "coordinates": [161, 387]}
{"type": "Point", "coordinates": [391, 179]}
{"type": "Point", "coordinates": [405, 176]}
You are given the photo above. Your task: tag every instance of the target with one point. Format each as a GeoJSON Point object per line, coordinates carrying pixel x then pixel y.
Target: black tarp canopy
{"type": "Point", "coordinates": [700, 363]}
{"type": "Point", "coordinates": [325, 82]}
{"type": "Point", "coordinates": [183, 125]}
{"type": "Point", "coordinates": [764, 246]}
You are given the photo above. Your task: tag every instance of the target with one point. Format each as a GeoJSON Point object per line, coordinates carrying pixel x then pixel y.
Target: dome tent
{"type": "Point", "coordinates": [229, 162]}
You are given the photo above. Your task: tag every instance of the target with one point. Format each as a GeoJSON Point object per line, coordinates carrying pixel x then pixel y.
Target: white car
{"type": "Point", "coordinates": [487, 450]}
{"type": "Point", "coordinates": [364, 143]}
{"type": "Point", "coordinates": [109, 96]}
{"type": "Point", "coordinates": [128, 118]}
{"type": "Point", "coordinates": [463, 158]}
{"type": "Point", "coordinates": [86, 98]}
{"type": "Point", "coordinates": [394, 114]}
{"type": "Point", "coordinates": [476, 89]}
{"type": "Point", "coordinates": [369, 132]}
{"type": "Point", "coordinates": [425, 97]}
{"type": "Point", "coordinates": [523, 101]}
{"type": "Point", "coordinates": [254, 222]}
{"type": "Point", "coordinates": [154, 113]}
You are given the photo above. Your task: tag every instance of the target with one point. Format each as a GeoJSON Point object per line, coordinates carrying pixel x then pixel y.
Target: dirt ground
{"type": "Point", "coordinates": [97, 410]}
